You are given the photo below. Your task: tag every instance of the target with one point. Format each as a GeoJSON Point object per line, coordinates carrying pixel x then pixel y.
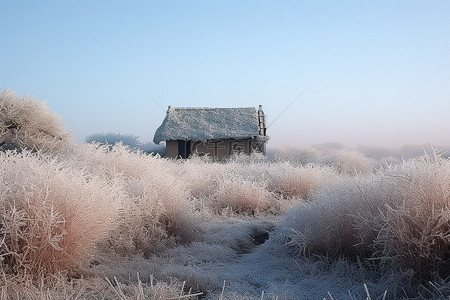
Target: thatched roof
{"type": "Point", "coordinates": [201, 124]}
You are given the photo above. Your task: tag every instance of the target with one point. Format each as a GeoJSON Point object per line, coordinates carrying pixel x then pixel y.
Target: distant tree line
{"type": "Point", "coordinates": [132, 141]}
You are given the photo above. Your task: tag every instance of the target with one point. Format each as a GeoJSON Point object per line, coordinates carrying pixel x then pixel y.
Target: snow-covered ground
{"type": "Point", "coordinates": [248, 259]}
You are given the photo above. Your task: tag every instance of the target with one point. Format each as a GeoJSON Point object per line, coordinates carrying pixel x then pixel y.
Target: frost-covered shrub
{"type": "Point", "coordinates": [28, 123]}
{"type": "Point", "coordinates": [397, 218]}
{"type": "Point", "coordinates": [202, 175]}
{"type": "Point", "coordinates": [300, 155]}
{"type": "Point", "coordinates": [234, 184]}
{"type": "Point", "coordinates": [109, 162]}
{"type": "Point", "coordinates": [246, 159]}
{"type": "Point", "coordinates": [324, 225]}
{"type": "Point", "coordinates": [158, 214]}
{"type": "Point", "coordinates": [157, 211]}
{"type": "Point", "coordinates": [51, 217]}
{"type": "Point", "coordinates": [240, 196]}
{"type": "Point", "coordinates": [290, 181]}
{"type": "Point", "coordinates": [409, 220]}
{"type": "Point", "coordinates": [346, 161]}
{"type": "Point", "coordinates": [351, 162]}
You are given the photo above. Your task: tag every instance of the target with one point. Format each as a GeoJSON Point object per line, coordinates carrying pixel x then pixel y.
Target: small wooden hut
{"type": "Point", "coordinates": [218, 132]}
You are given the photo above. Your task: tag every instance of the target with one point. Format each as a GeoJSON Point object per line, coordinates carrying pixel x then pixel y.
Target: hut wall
{"type": "Point", "coordinates": [219, 148]}
{"type": "Point", "coordinates": [172, 149]}
{"type": "Point", "coordinates": [225, 148]}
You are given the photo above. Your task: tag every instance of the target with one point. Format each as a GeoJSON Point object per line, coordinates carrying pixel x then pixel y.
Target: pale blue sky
{"type": "Point", "coordinates": [376, 72]}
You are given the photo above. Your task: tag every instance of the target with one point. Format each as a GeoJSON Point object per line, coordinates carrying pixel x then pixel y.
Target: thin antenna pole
{"type": "Point", "coordinates": [152, 98]}
{"type": "Point", "coordinates": [290, 104]}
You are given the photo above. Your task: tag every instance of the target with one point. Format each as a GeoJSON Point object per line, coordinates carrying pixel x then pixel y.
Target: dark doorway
{"type": "Point", "coordinates": [184, 148]}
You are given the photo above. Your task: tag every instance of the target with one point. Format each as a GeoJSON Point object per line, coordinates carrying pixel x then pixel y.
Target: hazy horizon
{"type": "Point", "coordinates": [356, 73]}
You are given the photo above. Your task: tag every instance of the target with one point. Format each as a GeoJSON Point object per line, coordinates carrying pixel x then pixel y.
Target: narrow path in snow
{"type": "Point", "coordinates": [250, 258]}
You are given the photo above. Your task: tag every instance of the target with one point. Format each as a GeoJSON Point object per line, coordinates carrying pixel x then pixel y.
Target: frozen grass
{"type": "Point", "coordinates": [92, 288]}
{"type": "Point", "coordinates": [343, 160]}
{"type": "Point", "coordinates": [174, 219]}
{"type": "Point", "coordinates": [353, 162]}
{"type": "Point", "coordinates": [157, 214]}
{"type": "Point", "coordinates": [28, 123]}
{"type": "Point", "coordinates": [157, 211]}
{"type": "Point", "coordinates": [51, 216]}
{"type": "Point", "coordinates": [296, 155]}
{"type": "Point", "coordinates": [240, 196]}
{"type": "Point", "coordinates": [410, 206]}
{"type": "Point", "coordinates": [290, 181]}
{"type": "Point", "coordinates": [397, 219]}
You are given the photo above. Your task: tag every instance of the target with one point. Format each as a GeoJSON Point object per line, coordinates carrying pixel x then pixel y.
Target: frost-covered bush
{"type": "Point", "coordinates": [238, 185]}
{"type": "Point", "coordinates": [409, 223]}
{"type": "Point", "coordinates": [157, 214]}
{"type": "Point", "coordinates": [201, 175]}
{"type": "Point", "coordinates": [251, 184]}
{"type": "Point", "coordinates": [242, 158]}
{"type": "Point", "coordinates": [397, 219]}
{"type": "Point", "coordinates": [106, 161]}
{"type": "Point", "coordinates": [352, 162]}
{"type": "Point", "coordinates": [300, 155]}
{"type": "Point", "coordinates": [240, 196]}
{"type": "Point", "coordinates": [344, 160]}
{"type": "Point", "coordinates": [28, 123]}
{"type": "Point", "coordinates": [325, 225]}
{"type": "Point", "coordinates": [157, 211]}
{"type": "Point", "coordinates": [51, 217]}
{"type": "Point", "coordinates": [290, 181]}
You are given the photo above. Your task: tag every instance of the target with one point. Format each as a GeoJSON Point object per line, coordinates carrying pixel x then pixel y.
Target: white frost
{"type": "Point", "coordinates": [201, 124]}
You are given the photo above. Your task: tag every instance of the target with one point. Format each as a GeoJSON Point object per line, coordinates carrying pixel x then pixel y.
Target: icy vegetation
{"type": "Point", "coordinates": [27, 122]}
{"type": "Point", "coordinates": [102, 221]}
{"type": "Point", "coordinates": [132, 141]}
